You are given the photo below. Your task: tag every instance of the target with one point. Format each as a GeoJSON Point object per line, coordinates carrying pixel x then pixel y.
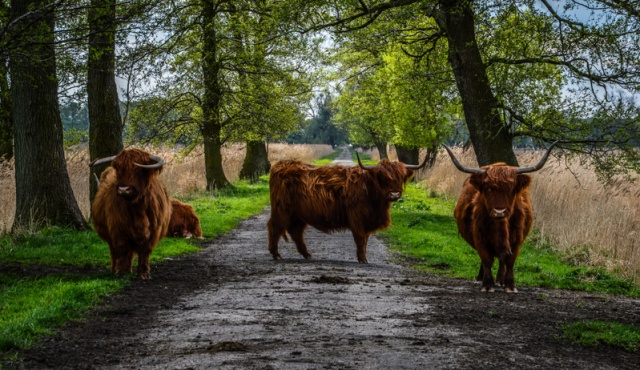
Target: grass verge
{"type": "Point", "coordinates": [424, 230]}
{"type": "Point", "coordinates": [67, 270]}
{"type": "Point", "coordinates": [594, 333]}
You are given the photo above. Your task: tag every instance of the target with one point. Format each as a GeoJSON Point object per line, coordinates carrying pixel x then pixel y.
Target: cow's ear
{"type": "Point", "coordinates": [476, 181]}
{"type": "Point", "coordinates": [522, 182]}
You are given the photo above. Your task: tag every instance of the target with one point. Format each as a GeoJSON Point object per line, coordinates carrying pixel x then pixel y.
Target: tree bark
{"type": "Point", "coordinates": [212, 121]}
{"type": "Point", "coordinates": [43, 190]}
{"type": "Point", "coordinates": [6, 116]}
{"type": "Point", "coordinates": [491, 138]}
{"type": "Point", "coordinates": [256, 162]}
{"type": "Point", "coordinates": [406, 155]}
{"type": "Point", "coordinates": [382, 150]}
{"type": "Point", "coordinates": [105, 122]}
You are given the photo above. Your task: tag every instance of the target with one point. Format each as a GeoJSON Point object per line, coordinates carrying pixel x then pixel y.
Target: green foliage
{"type": "Point", "coordinates": [424, 230]}
{"type": "Point", "coordinates": [31, 306]}
{"type": "Point", "coordinates": [596, 333]}
{"type": "Point", "coordinates": [74, 136]}
{"type": "Point", "coordinates": [320, 129]}
{"type": "Point", "coordinates": [259, 77]}
{"type": "Point", "coordinates": [389, 96]}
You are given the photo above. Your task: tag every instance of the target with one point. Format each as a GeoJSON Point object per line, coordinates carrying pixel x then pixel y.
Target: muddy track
{"type": "Point", "coordinates": [232, 306]}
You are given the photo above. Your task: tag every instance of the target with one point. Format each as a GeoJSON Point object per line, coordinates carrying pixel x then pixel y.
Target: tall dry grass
{"type": "Point", "coordinates": [183, 173]}
{"type": "Point", "coordinates": [587, 221]}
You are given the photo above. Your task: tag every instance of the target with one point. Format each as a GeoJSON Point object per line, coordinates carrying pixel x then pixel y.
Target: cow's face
{"type": "Point", "coordinates": [390, 178]}
{"type": "Point", "coordinates": [133, 180]}
{"type": "Point", "coordinates": [197, 230]}
{"type": "Point", "coordinates": [499, 187]}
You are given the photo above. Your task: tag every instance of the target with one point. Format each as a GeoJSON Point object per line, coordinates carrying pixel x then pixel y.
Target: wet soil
{"type": "Point", "coordinates": [231, 306]}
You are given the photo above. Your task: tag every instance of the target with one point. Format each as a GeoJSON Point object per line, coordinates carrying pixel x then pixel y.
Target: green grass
{"type": "Point", "coordinates": [328, 158]}
{"type": "Point", "coordinates": [424, 229]}
{"type": "Point", "coordinates": [594, 333]}
{"type": "Point", "coordinates": [33, 306]}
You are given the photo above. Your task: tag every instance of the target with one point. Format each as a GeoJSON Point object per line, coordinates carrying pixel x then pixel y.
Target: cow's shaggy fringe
{"type": "Point", "coordinates": [182, 175]}
{"type": "Point", "coordinates": [590, 223]}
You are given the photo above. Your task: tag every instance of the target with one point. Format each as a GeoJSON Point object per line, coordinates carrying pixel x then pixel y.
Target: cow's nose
{"type": "Point", "coordinates": [394, 195]}
{"type": "Point", "coordinates": [499, 212]}
{"type": "Point", "coordinates": [124, 190]}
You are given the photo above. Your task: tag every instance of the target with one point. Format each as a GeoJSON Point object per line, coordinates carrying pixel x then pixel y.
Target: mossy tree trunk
{"type": "Point", "coordinates": [491, 138]}
{"type": "Point", "coordinates": [406, 155]}
{"type": "Point", "coordinates": [256, 162]}
{"type": "Point", "coordinates": [43, 190]}
{"type": "Point", "coordinates": [105, 122]}
{"type": "Point", "coordinates": [212, 101]}
{"type": "Point", "coordinates": [6, 116]}
{"type": "Point", "coordinates": [382, 150]}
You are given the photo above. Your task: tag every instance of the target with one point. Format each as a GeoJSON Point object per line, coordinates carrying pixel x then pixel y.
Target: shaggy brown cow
{"type": "Point", "coordinates": [333, 198]}
{"type": "Point", "coordinates": [494, 215]}
{"type": "Point", "coordinates": [131, 210]}
{"type": "Point", "coordinates": [184, 222]}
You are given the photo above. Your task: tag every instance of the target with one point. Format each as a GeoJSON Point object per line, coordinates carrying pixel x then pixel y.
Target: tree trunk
{"type": "Point", "coordinates": [256, 163]}
{"type": "Point", "coordinates": [432, 155]}
{"type": "Point", "coordinates": [105, 122]}
{"type": "Point", "coordinates": [406, 155]}
{"type": "Point", "coordinates": [212, 121]}
{"type": "Point", "coordinates": [382, 150]}
{"type": "Point", "coordinates": [491, 139]}
{"type": "Point", "coordinates": [43, 190]}
{"type": "Point", "coordinates": [6, 117]}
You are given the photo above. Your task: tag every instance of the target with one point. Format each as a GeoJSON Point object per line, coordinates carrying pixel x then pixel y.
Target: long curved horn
{"type": "Point", "coordinates": [541, 163]}
{"type": "Point", "coordinates": [418, 166]}
{"type": "Point", "coordinates": [159, 163]}
{"type": "Point", "coordinates": [363, 166]}
{"type": "Point", "coordinates": [460, 166]}
{"type": "Point", "coordinates": [101, 161]}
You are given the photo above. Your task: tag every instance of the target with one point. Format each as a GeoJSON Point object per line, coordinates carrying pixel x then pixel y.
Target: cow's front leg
{"type": "Point", "coordinates": [361, 246]}
{"type": "Point", "coordinates": [144, 268]}
{"type": "Point", "coordinates": [487, 279]}
{"type": "Point", "coordinates": [509, 280]}
{"type": "Point", "coordinates": [296, 230]}
{"type": "Point", "coordinates": [480, 276]}
{"type": "Point", "coordinates": [114, 258]}
{"type": "Point", "coordinates": [123, 260]}
{"type": "Point", "coordinates": [501, 273]}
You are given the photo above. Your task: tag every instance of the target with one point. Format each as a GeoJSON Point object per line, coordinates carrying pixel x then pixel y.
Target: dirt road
{"type": "Point", "coordinates": [232, 307]}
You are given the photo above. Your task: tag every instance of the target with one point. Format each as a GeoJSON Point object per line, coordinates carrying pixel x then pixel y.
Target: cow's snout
{"type": "Point", "coordinates": [499, 213]}
{"type": "Point", "coordinates": [392, 196]}
{"type": "Point", "coordinates": [126, 191]}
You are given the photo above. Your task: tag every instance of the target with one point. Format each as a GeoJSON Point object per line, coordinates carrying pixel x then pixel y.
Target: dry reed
{"type": "Point", "coordinates": [588, 222]}
{"type": "Point", "coordinates": [183, 173]}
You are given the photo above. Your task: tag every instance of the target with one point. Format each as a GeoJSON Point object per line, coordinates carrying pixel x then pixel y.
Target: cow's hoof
{"type": "Point", "coordinates": [276, 256]}
{"type": "Point", "coordinates": [307, 256]}
{"type": "Point", "coordinates": [511, 290]}
{"type": "Point", "coordinates": [486, 289]}
{"type": "Point", "coordinates": [145, 276]}
{"type": "Point", "coordinates": [362, 260]}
